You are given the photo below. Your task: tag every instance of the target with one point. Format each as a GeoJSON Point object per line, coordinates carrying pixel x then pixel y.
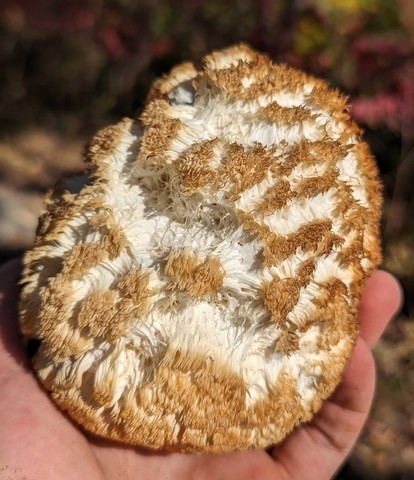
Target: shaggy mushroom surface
{"type": "Point", "coordinates": [198, 289]}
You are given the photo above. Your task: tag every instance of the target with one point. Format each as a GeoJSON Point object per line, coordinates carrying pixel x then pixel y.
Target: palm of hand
{"type": "Point", "coordinates": [37, 441]}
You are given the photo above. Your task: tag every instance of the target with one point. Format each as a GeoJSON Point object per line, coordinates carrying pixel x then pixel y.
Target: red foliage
{"type": "Point", "coordinates": [386, 68]}
{"type": "Point", "coordinates": [381, 86]}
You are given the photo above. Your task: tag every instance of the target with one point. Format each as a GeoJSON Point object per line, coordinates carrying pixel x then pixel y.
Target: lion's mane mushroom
{"type": "Point", "coordinates": [200, 291]}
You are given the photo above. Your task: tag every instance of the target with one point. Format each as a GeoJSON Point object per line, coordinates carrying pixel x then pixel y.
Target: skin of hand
{"type": "Point", "coordinates": [37, 441]}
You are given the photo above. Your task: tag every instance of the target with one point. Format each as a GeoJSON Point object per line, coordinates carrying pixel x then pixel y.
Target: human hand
{"type": "Point", "coordinates": [37, 441]}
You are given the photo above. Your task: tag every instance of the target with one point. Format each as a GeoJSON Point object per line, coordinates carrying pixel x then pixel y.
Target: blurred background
{"type": "Point", "coordinates": [68, 68]}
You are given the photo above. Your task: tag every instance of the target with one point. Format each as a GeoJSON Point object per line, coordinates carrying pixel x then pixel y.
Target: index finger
{"type": "Point", "coordinates": [381, 300]}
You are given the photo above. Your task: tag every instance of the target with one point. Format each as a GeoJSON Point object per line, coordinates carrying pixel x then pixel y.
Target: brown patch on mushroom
{"type": "Point", "coordinates": [278, 78]}
{"type": "Point", "coordinates": [115, 241]}
{"type": "Point", "coordinates": [332, 334]}
{"type": "Point", "coordinates": [100, 219]}
{"type": "Point", "coordinates": [306, 270]}
{"type": "Point", "coordinates": [276, 197]}
{"type": "Point", "coordinates": [287, 343]}
{"type": "Point", "coordinates": [276, 113]}
{"type": "Point", "coordinates": [81, 258]}
{"type": "Point", "coordinates": [188, 273]}
{"type": "Point", "coordinates": [316, 236]}
{"type": "Point", "coordinates": [60, 204]}
{"type": "Point", "coordinates": [329, 99]}
{"type": "Point", "coordinates": [194, 166]}
{"type": "Point", "coordinates": [312, 153]}
{"type": "Point", "coordinates": [280, 247]}
{"type": "Point", "coordinates": [135, 285]}
{"type": "Point", "coordinates": [280, 296]}
{"type": "Point", "coordinates": [356, 218]}
{"type": "Point", "coordinates": [331, 290]}
{"type": "Point", "coordinates": [59, 340]}
{"type": "Point", "coordinates": [332, 301]}
{"type": "Point", "coordinates": [309, 186]}
{"type": "Point", "coordinates": [351, 255]}
{"type": "Point", "coordinates": [345, 202]}
{"type": "Point", "coordinates": [159, 132]}
{"type": "Point", "coordinates": [98, 314]}
{"type": "Point", "coordinates": [109, 313]}
{"type": "Point", "coordinates": [104, 144]}
{"type": "Point", "coordinates": [229, 80]}
{"type": "Point", "coordinates": [242, 167]}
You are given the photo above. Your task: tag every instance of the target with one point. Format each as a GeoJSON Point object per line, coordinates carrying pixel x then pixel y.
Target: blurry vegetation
{"type": "Point", "coordinates": [69, 67]}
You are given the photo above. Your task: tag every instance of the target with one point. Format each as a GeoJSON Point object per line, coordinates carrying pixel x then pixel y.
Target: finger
{"type": "Point", "coordinates": [12, 354]}
{"type": "Point", "coordinates": [318, 449]}
{"type": "Point", "coordinates": [380, 301]}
